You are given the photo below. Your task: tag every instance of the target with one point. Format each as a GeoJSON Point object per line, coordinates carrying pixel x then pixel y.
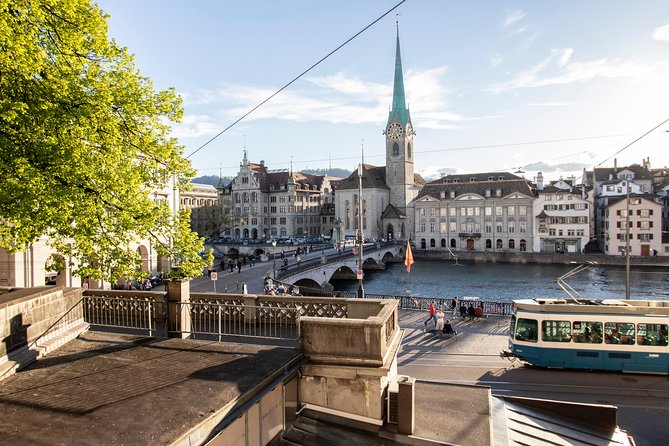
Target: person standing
{"type": "Point", "coordinates": [439, 321]}
{"type": "Point", "coordinates": [454, 306]}
{"type": "Point", "coordinates": [433, 314]}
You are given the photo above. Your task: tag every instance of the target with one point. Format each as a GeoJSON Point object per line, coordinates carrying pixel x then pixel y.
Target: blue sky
{"type": "Point", "coordinates": [491, 85]}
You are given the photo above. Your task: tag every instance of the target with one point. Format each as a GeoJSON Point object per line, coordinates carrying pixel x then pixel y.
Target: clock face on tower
{"type": "Point", "coordinates": [394, 131]}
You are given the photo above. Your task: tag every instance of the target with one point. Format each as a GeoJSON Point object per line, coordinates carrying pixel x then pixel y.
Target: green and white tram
{"type": "Point", "coordinates": [622, 335]}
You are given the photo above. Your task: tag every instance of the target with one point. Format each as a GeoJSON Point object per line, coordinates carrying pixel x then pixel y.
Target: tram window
{"type": "Point", "coordinates": [556, 331]}
{"type": "Point", "coordinates": [587, 332]}
{"type": "Point", "coordinates": [651, 334]}
{"type": "Point", "coordinates": [618, 333]}
{"type": "Point", "coordinates": [526, 330]}
{"type": "Point", "coordinates": [513, 324]}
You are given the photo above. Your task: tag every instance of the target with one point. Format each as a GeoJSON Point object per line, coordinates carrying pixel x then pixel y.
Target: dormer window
{"type": "Point", "coordinates": [498, 192]}
{"type": "Point", "coordinates": [487, 193]}
{"type": "Point", "coordinates": [500, 177]}
{"type": "Point", "coordinates": [452, 194]}
{"type": "Point", "coordinates": [442, 195]}
{"type": "Point", "coordinates": [472, 179]}
{"type": "Point", "coordinates": [491, 178]}
{"type": "Point", "coordinates": [455, 180]}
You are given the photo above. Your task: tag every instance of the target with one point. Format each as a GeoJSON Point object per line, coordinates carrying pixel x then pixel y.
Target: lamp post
{"type": "Point", "coordinates": [361, 290]}
{"type": "Point", "coordinates": [274, 259]}
{"type": "Point", "coordinates": [337, 231]}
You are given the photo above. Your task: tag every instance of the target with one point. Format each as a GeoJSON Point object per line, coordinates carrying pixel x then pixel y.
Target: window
{"type": "Point", "coordinates": [523, 245]}
{"type": "Point", "coordinates": [443, 212]}
{"type": "Point", "coordinates": [488, 211]}
{"type": "Point", "coordinates": [488, 227]}
{"type": "Point", "coordinates": [245, 180]}
{"type": "Point", "coordinates": [651, 334]}
{"type": "Point", "coordinates": [442, 226]}
{"type": "Point", "coordinates": [499, 244]}
{"type": "Point", "coordinates": [396, 149]}
{"type": "Point", "coordinates": [452, 212]}
{"type": "Point", "coordinates": [522, 227]}
{"type": "Point", "coordinates": [500, 227]}
{"type": "Point", "coordinates": [433, 212]}
{"type": "Point", "coordinates": [453, 226]}
{"type": "Point", "coordinates": [526, 330]}
{"type": "Point", "coordinates": [619, 333]}
{"type": "Point", "coordinates": [498, 211]}
{"type": "Point", "coordinates": [522, 210]}
{"type": "Point", "coordinates": [587, 332]}
{"type": "Point", "coordinates": [511, 211]}
{"type": "Point", "coordinates": [422, 227]}
{"type": "Point", "coordinates": [556, 331]}
{"type": "Point", "coordinates": [282, 220]}
{"type": "Point", "coordinates": [645, 212]}
{"type": "Point", "coordinates": [432, 243]}
{"type": "Point", "coordinates": [433, 227]}
{"type": "Point", "coordinates": [488, 243]}
{"type": "Point", "coordinates": [512, 227]}
{"type": "Point", "coordinates": [452, 243]}
{"type": "Point", "coordinates": [421, 212]}
{"type": "Point", "coordinates": [512, 244]}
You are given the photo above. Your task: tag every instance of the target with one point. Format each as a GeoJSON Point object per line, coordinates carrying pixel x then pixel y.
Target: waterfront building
{"type": "Point", "coordinates": [205, 208]}
{"type": "Point", "coordinates": [643, 226]}
{"type": "Point", "coordinates": [562, 214]}
{"type": "Point", "coordinates": [386, 190]}
{"type": "Point", "coordinates": [475, 212]}
{"type": "Point", "coordinates": [275, 203]}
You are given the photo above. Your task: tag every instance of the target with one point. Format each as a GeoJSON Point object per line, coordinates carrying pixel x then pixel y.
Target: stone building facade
{"type": "Point", "coordinates": [268, 204]}
{"type": "Point", "coordinates": [205, 208]}
{"type": "Point", "coordinates": [475, 212]}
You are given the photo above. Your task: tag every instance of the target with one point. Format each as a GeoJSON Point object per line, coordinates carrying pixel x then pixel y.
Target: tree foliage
{"type": "Point", "coordinates": [85, 144]}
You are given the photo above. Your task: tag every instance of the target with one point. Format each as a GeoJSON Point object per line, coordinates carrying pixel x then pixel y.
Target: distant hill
{"type": "Point", "coordinates": [211, 179]}
{"type": "Point", "coordinates": [334, 172]}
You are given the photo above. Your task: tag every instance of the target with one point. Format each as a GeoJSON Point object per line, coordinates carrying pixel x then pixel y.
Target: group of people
{"type": "Point", "coordinates": [273, 289]}
{"type": "Point", "coordinates": [441, 324]}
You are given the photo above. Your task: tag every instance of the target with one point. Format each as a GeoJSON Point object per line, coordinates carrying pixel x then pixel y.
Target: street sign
{"type": "Point", "coordinates": [213, 275]}
{"type": "Point", "coordinates": [359, 274]}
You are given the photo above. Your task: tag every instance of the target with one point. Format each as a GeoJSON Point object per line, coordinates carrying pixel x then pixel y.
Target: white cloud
{"type": "Point", "coordinates": [495, 60]}
{"type": "Point", "coordinates": [194, 126]}
{"type": "Point", "coordinates": [513, 16]}
{"type": "Point", "coordinates": [661, 33]}
{"type": "Point", "coordinates": [337, 98]}
{"type": "Point", "coordinates": [559, 69]}
{"type": "Point", "coordinates": [549, 104]}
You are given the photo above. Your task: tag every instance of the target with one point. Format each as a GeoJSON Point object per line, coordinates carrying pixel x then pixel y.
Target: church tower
{"type": "Point", "coordinates": [399, 142]}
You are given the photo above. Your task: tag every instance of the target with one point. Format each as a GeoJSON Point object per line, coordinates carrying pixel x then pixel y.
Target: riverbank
{"type": "Point", "coordinates": [540, 258]}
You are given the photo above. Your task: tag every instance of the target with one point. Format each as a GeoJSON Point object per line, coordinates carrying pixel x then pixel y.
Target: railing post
{"type": "Point", "coordinates": [178, 309]}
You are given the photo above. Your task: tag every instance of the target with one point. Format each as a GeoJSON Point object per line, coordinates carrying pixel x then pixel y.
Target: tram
{"type": "Point", "coordinates": [617, 335]}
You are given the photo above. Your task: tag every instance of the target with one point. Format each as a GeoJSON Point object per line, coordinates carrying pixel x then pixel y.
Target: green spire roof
{"type": "Point", "coordinates": [399, 101]}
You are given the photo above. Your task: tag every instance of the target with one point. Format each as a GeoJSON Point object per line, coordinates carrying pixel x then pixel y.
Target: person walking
{"type": "Point", "coordinates": [454, 306]}
{"type": "Point", "coordinates": [433, 314]}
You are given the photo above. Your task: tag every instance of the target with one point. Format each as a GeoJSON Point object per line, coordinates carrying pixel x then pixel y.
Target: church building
{"type": "Point", "coordinates": [383, 193]}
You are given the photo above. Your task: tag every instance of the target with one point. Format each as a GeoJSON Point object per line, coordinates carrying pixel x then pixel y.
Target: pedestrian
{"type": "Point", "coordinates": [454, 306]}
{"type": "Point", "coordinates": [439, 321]}
{"type": "Point", "coordinates": [471, 312]}
{"type": "Point", "coordinates": [232, 266]}
{"type": "Point", "coordinates": [478, 312]}
{"type": "Point", "coordinates": [298, 259]}
{"type": "Point", "coordinates": [239, 266]}
{"type": "Point", "coordinates": [433, 314]}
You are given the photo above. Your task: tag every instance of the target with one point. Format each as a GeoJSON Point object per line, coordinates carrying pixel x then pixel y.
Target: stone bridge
{"type": "Point", "coordinates": [317, 272]}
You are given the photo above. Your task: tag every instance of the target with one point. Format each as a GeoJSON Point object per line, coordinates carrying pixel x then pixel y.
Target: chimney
{"type": "Point", "coordinates": [262, 162]}
{"type": "Point", "coordinates": [540, 181]}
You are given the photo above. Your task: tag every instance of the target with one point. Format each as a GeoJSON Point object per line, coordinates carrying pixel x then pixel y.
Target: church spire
{"type": "Point", "coordinates": [399, 108]}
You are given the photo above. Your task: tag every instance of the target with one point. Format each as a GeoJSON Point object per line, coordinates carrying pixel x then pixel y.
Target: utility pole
{"type": "Point", "coordinates": [361, 290]}
{"type": "Point", "coordinates": [627, 243]}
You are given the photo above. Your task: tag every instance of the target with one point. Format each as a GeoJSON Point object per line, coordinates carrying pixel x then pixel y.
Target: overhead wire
{"type": "Point", "coordinates": [295, 79]}
{"type": "Point", "coordinates": [639, 138]}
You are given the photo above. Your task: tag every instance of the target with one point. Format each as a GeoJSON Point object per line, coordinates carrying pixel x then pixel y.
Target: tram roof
{"type": "Point", "coordinates": [594, 306]}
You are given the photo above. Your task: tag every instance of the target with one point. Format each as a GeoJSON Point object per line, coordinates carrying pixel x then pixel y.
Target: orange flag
{"type": "Point", "coordinates": [408, 259]}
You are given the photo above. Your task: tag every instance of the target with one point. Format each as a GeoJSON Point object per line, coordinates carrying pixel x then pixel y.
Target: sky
{"type": "Point", "coordinates": [491, 85]}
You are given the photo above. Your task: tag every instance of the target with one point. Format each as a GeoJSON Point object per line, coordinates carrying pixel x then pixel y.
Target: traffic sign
{"type": "Point", "coordinates": [359, 274]}
{"type": "Point", "coordinates": [213, 275]}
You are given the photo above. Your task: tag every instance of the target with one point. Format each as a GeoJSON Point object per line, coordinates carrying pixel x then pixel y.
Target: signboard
{"type": "Point", "coordinates": [359, 274]}
{"type": "Point", "coordinates": [213, 275]}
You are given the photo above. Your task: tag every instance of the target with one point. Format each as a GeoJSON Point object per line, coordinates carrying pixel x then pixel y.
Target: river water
{"type": "Point", "coordinates": [507, 281]}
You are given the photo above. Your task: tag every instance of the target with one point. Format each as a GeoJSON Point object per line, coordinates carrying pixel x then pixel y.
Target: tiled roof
{"type": "Point", "coordinates": [392, 212]}
{"type": "Point", "coordinates": [373, 177]}
{"type": "Point", "coordinates": [508, 186]}
{"type": "Point", "coordinates": [640, 172]}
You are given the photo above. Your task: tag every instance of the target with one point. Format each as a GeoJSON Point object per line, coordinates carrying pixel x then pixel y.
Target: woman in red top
{"type": "Point", "coordinates": [433, 314]}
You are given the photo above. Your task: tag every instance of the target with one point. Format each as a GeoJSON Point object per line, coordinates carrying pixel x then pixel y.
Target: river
{"type": "Point", "coordinates": [508, 281]}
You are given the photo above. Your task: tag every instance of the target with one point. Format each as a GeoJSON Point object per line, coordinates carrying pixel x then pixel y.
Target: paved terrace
{"type": "Point", "coordinates": [116, 389]}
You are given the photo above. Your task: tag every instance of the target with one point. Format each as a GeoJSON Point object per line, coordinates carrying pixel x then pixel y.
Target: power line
{"type": "Point", "coordinates": [295, 79]}
{"type": "Point", "coordinates": [451, 149]}
{"type": "Point", "coordinates": [628, 145]}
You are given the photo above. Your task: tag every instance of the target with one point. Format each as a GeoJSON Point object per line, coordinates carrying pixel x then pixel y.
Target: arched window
{"type": "Point", "coordinates": [282, 232]}
{"type": "Point", "coordinates": [246, 197]}
{"type": "Point", "coordinates": [409, 151]}
{"type": "Point", "coordinates": [254, 197]}
{"type": "Point", "coordinates": [499, 243]}
{"type": "Point", "coordinates": [422, 243]}
{"type": "Point", "coordinates": [236, 198]}
{"type": "Point", "coordinates": [452, 243]}
{"type": "Point", "coordinates": [523, 245]}
{"type": "Point", "coordinates": [347, 215]}
{"type": "Point", "coordinates": [512, 244]}
{"type": "Point", "coordinates": [273, 232]}
{"type": "Point", "coordinates": [396, 149]}
{"type": "Point", "coordinates": [432, 243]}
{"type": "Point", "coordinates": [488, 243]}
{"type": "Point", "coordinates": [443, 242]}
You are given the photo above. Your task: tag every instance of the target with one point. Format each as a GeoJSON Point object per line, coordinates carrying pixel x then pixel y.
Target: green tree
{"type": "Point", "coordinates": [84, 141]}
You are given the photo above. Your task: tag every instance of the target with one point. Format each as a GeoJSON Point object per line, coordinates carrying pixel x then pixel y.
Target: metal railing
{"type": "Point", "coordinates": [222, 319]}
{"type": "Point", "coordinates": [135, 313]}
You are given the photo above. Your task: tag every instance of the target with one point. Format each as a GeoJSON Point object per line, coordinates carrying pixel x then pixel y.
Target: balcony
{"type": "Point", "coordinates": [469, 235]}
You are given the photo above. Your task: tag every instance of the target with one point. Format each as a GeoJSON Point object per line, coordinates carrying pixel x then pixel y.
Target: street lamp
{"type": "Point", "coordinates": [274, 258]}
